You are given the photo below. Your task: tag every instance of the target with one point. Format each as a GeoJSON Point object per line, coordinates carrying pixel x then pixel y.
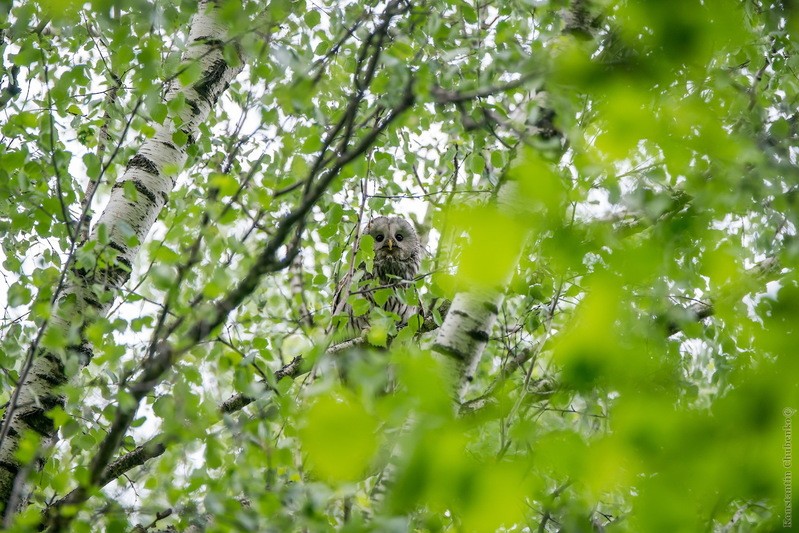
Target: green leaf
{"type": "Point", "coordinates": [469, 13]}
{"type": "Point", "coordinates": [18, 294]}
{"type": "Point", "coordinates": [381, 296]}
{"type": "Point", "coordinates": [159, 112]}
{"type": "Point", "coordinates": [102, 234]}
{"type": "Point", "coordinates": [54, 340]}
{"type": "Point", "coordinates": [93, 165]}
{"type": "Point", "coordinates": [27, 55]}
{"type": "Point", "coordinates": [339, 438]}
{"type": "Point", "coordinates": [477, 164]}
{"type": "Point", "coordinates": [366, 253]}
{"type": "Point", "coordinates": [312, 18]}
{"type": "Point", "coordinates": [164, 406]}
{"type": "Point", "coordinates": [83, 442]}
{"type": "Point", "coordinates": [180, 137]}
{"type": "Point", "coordinates": [224, 183]}
{"type": "Point", "coordinates": [27, 120]}
{"type": "Point", "coordinates": [190, 73]}
{"type": "Point", "coordinates": [360, 305]}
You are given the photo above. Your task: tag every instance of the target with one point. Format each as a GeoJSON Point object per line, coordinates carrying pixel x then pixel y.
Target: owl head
{"type": "Point", "coordinates": [397, 248]}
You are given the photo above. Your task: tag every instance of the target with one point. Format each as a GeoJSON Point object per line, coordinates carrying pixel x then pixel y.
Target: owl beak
{"type": "Point", "coordinates": [390, 244]}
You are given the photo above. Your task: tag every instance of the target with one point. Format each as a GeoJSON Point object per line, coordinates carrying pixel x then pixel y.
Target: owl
{"type": "Point", "coordinates": [398, 254]}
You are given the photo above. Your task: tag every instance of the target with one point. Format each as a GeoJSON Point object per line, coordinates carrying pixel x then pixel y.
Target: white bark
{"type": "Point", "coordinates": [467, 327]}
{"type": "Point", "coordinates": [466, 330]}
{"type": "Point", "coordinates": [90, 294]}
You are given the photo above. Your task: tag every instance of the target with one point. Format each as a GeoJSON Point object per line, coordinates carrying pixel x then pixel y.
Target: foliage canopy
{"type": "Point", "coordinates": [642, 372]}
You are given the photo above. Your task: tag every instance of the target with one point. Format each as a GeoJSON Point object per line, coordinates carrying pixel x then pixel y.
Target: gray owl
{"type": "Point", "coordinates": [397, 257]}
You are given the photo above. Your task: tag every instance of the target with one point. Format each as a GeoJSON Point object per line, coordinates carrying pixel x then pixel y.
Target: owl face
{"type": "Point", "coordinates": [394, 238]}
{"type": "Point", "coordinates": [397, 249]}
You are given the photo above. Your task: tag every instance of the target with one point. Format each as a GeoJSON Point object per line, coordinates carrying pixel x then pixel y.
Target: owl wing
{"type": "Point", "coordinates": [402, 307]}
{"type": "Point", "coordinates": [341, 294]}
{"type": "Point", "coordinates": [340, 306]}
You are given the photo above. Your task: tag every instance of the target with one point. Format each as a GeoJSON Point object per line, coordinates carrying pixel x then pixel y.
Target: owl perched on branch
{"type": "Point", "coordinates": [397, 255]}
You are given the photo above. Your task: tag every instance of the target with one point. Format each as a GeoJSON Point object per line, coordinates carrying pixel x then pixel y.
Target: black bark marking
{"type": "Point", "coordinates": [122, 266]}
{"type": "Point", "coordinates": [84, 353]}
{"type": "Point", "coordinates": [93, 302]}
{"type": "Point", "coordinates": [478, 335]}
{"type": "Point", "coordinates": [118, 275]}
{"type": "Point", "coordinates": [38, 421]}
{"type": "Point", "coordinates": [10, 467]}
{"type": "Point", "coordinates": [210, 41]}
{"type": "Point", "coordinates": [213, 76]}
{"type": "Point", "coordinates": [452, 352]}
{"type": "Point", "coordinates": [141, 162]}
{"type": "Point", "coordinates": [195, 109]}
{"type": "Point", "coordinates": [458, 312]}
{"type": "Point", "coordinates": [59, 378]}
{"type": "Point", "coordinates": [170, 145]}
{"type": "Point", "coordinates": [491, 306]}
{"type": "Point", "coordinates": [140, 187]}
{"type": "Point", "coordinates": [55, 360]}
{"type": "Point", "coordinates": [121, 249]}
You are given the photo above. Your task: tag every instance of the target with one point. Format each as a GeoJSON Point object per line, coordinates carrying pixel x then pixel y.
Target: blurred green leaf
{"type": "Point", "coordinates": [339, 437]}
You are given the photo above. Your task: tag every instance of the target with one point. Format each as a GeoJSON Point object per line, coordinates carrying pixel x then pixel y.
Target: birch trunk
{"type": "Point", "coordinates": [467, 327]}
{"type": "Point", "coordinates": [89, 293]}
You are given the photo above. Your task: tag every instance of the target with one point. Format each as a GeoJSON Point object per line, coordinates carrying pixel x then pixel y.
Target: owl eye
{"type": "Point", "coordinates": [399, 237]}
{"type": "Point", "coordinates": [379, 237]}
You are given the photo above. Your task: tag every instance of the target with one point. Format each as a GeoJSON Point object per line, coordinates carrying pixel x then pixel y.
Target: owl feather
{"type": "Point", "coordinates": [397, 256]}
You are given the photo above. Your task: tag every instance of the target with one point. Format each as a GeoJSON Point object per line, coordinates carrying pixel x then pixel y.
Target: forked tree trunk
{"type": "Point", "coordinates": [126, 221]}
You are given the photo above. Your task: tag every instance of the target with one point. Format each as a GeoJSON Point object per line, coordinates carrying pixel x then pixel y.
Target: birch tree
{"type": "Point", "coordinates": [606, 191]}
{"type": "Point", "coordinates": [97, 269]}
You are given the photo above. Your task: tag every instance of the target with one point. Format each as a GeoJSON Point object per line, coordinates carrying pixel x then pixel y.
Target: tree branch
{"type": "Point", "coordinates": [444, 96]}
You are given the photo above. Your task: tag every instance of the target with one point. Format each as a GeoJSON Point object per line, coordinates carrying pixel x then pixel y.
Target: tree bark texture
{"type": "Point", "coordinates": [126, 221]}
{"type": "Point", "coordinates": [467, 326]}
